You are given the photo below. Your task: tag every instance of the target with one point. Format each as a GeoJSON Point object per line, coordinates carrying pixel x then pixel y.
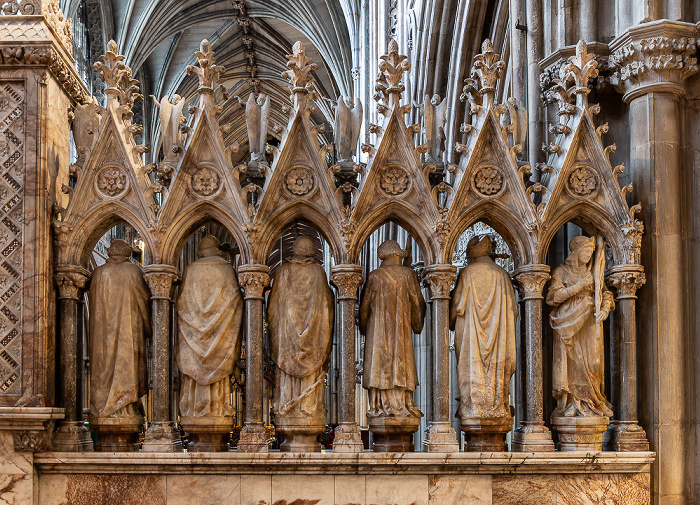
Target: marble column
{"type": "Point", "coordinates": [253, 279]}
{"type": "Point", "coordinates": [532, 435]}
{"type": "Point", "coordinates": [161, 435]}
{"type": "Point", "coordinates": [654, 60]}
{"type": "Point", "coordinates": [442, 437]}
{"type": "Point", "coordinates": [71, 434]}
{"type": "Point", "coordinates": [627, 435]}
{"type": "Point", "coordinates": [347, 278]}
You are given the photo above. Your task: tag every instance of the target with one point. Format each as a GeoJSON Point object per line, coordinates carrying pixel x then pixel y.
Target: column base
{"type": "Point", "coordinates": [627, 437]}
{"type": "Point", "coordinates": [442, 437]}
{"type": "Point", "coordinates": [532, 438]}
{"type": "Point", "coordinates": [580, 433]}
{"type": "Point", "coordinates": [348, 438]}
{"type": "Point", "coordinates": [118, 434]}
{"type": "Point", "coordinates": [393, 434]}
{"type": "Point", "coordinates": [299, 434]}
{"type": "Point", "coordinates": [253, 439]}
{"type": "Point", "coordinates": [162, 437]}
{"type": "Point", "coordinates": [207, 434]}
{"type": "Point", "coordinates": [72, 437]}
{"type": "Point", "coordinates": [486, 435]}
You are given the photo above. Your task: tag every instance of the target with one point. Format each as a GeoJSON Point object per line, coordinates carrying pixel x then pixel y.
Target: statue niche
{"type": "Point", "coordinates": [483, 314]}
{"type": "Point", "coordinates": [392, 309]}
{"type": "Point", "coordinates": [209, 313]}
{"type": "Point", "coordinates": [581, 302]}
{"type": "Point", "coordinates": [119, 324]}
{"type": "Point", "coordinates": [300, 316]}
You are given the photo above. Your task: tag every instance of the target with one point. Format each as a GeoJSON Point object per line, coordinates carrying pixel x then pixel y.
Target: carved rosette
{"type": "Point", "coordinates": [530, 281]}
{"type": "Point", "coordinates": [439, 280]}
{"type": "Point", "coordinates": [205, 181]}
{"type": "Point", "coordinates": [299, 181]}
{"type": "Point", "coordinates": [112, 182]}
{"type": "Point", "coordinates": [71, 280]}
{"type": "Point", "coordinates": [627, 281]}
{"type": "Point", "coordinates": [394, 181]}
{"type": "Point", "coordinates": [347, 282]}
{"type": "Point", "coordinates": [582, 182]}
{"type": "Point", "coordinates": [253, 279]}
{"type": "Point", "coordinates": [488, 181]}
{"type": "Point", "coordinates": [160, 280]}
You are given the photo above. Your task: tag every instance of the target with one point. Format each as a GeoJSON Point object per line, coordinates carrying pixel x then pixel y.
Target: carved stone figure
{"type": "Point", "coordinates": [119, 325]}
{"type": "Point", "coordinates": [209, 313]}
{"type": "Point", "coordinates": [348, 122]}
{"type": "Point", "coordinates": [170, 120]}
{"type": "Point", "coordinates": [257, 114]}
{"type": "Point", "coordinates": [581, 302]}
{"type": "Point", "coordinates": [483, 314]}
{"type": "Point", "coordinates": [392, 309]}
{"type": "Point", "coordinates": [433, 111]}
{"type": "Point", "coordinates": [300, 315]}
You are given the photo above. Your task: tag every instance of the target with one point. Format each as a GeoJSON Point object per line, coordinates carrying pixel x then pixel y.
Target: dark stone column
{"type": "Point", "coordinates": [253, 279]}
{"type": "Point", "coordinates": [71, 434]}
{"type": "Point", "coordinates": [347, 279]}
{"type": "Point", "coordinates": [441, 435]}
{"type": "Point", "coordinates": [161, 434]}
{"type": "Point", "coordinates": [532, 435]}
{"type": "Point", "coordinates": [627, 435]}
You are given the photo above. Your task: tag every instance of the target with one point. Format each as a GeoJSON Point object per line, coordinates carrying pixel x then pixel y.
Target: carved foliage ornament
{"type": "Point", "coordinates": [205, 181]}
{"type": "Point", "coordinates": [531, 284]}
{"type": "Point", "coordinates": [112, 181]}
{"type": "Point", "coordinates": [439, 283]}
{"type": "Point", "coordinates": [347, 283]}
{"type": "Point", "coordinates": [299, 181]}
{"type": "Point", "coordinates": [488, 181]}
{"type": "Point", "coordinates": [253, 283]}
{"type": "Point", "coordinates": [583, 181]}
{"type": "Point", "coordinates": [627, 283]}
{"type": "Point", "coordinates": [394, 181]}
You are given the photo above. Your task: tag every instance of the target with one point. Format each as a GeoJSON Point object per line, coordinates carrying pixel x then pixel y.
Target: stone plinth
{"type": "Point", "coordinates": [208, 434]}
{"type": "Point", "coordinates": [486, 435]}
{"type": "Point", "coordinates": [393, 434]}
{"type": "Point", "coordinates": [580, 433]}
{"type": "Point", "coordinates": [116, 434]}
{"type": "Point", "coordinates": [299, 434]}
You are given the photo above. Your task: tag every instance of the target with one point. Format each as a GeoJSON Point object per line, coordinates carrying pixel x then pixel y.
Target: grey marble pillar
{"type": "Point", "coordinates": [627, 435]}
{"type": "Point", "coordinates": [532, 435]}
{"type": "Point", "coordinates": [161, 434]}
{"type": "Point", "coordinates": [253, 279]}
{"type": "Point", "coordinates": [71, 435]}
{"type": "Point", "coordinates": [442, 437]}
{"type": "Point", "coordinates": [347, 279]}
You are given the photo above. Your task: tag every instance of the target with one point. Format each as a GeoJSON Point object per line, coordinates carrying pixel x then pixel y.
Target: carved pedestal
{"type": "Point", "coordinates": [299, 434]}
{"type": "Point", "coordinates": [486, 435]}
{"type": "Point", "coordinates": [117, 434]}
{"type": "Point", "coordinates": [253, 438]}
{"type": "Point", "coordinates": [580, 433]}
{"type": "Point", "coordinates": [393, 434]}
{"type": "Point", "coordinates": [208, 434]}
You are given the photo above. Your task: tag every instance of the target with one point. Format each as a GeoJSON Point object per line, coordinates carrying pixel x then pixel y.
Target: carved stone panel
{"type": "Point", "coordinates": [488, 181]}
{"type": "Point", "coordinates": [299, 181]}
{"type": "Point", "coordinates": [582, 182]}
{"type": "Point", "coordinates": [12, 107]}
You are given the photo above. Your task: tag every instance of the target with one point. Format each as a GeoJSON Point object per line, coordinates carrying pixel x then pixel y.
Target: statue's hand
{"type": "Point", "coordinates": [601, 316]}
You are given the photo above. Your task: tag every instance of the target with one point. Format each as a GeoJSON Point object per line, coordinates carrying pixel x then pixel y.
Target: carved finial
{"type": "Point", "coordinates": [487, 67]}
{"type": "Point", "coordinates": [299, 74]}
{"type": "Point", "coordinates": [391, 70]}
{"type": "Point", "coordinates": [207, 72]}
{"type": "Point", "coordinates": [112, 66]}
{"type": "Point", "coordinates": [580, 69]}
{"type": "Point", "coordinates": [118, 78]}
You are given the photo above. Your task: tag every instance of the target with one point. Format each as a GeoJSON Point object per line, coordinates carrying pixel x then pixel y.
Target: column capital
{"type": "Point", "coordinates": [71, 279]}
{"type": "Point", "coordinates": [439, 279]}
{"type": "Point", "coordinates": [531, 279]}
{"type": "Point", "coordinates": [626, 279]}
{"type": "Point", "coordinates": [253, 279]}
{"type": "Point", "coordinates": [347, 278]}
{"type": "Point", "coordinates": [161, 279]}
{"type": "Point", "coordinates": [654, 57]}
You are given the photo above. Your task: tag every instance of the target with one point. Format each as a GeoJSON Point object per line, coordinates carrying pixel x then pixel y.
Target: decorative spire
{"type": "Point", "coordinates": [207, 71]}
{"type": "Point", "coordinates": [299, 74]}
{"type": "Point", "coordinates": [391, 70]}
{"type": "Point", "coordinates": [117, 75]}
{"type": "Point", "coordinates": [487, 68]}
{"type": "Point", "coordinates": [580, 69]}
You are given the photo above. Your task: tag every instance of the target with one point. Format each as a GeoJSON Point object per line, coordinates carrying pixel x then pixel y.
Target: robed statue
{"type": "Point", "coordinates": [580, 303]}
{"type": "Point", "coordinates": [392, 309]}
{"type": "Point", "coordinates": [483, 315]}
{"type": "Point", "coordinates": [120, 323]}
{"type": "Point", "coordinates": [209, 313]}
{"type": "Point", "coordinates": [300, 317]}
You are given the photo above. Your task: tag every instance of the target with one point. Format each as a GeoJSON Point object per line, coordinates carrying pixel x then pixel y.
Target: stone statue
{"type": "Point", "coordinates": [433, 110]}
{"type": "Point", "coordinates": [170, 120]}
{"type": "Point", "coordinates": [119, 324]}
{"type": "Point", "coordinates": [257, 115]}
{"type": "Point", "coordinates": [483, 314]}
{"type": "Point", "coordinates": [300, 316]}
{"type": "Point", "coordinates": [348, 122]}
{"type": "Point", "coordinates": [392, 309]}
{"type": "Point", "coordinates": [209, 313]}
{"type": "Point", "coordinates": [581, 302]}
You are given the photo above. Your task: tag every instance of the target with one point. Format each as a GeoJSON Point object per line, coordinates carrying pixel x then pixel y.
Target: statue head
{"type": "Point", "coordinates": [479, 246]}
{"type": "Point", "coordinates": [209, 246]}
{"type": "Point", "coordinates": [304, 247]}
{"type": "Point", "coordinates": [120, 248]}
{"type": "Point", "coordinates": [582, 247]}
{"type": "Point", "coordinates": [391, 248]}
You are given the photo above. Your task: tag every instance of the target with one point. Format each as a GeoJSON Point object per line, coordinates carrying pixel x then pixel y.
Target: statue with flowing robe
{"type": "Point", "coordinates": [120, 323]}
{"type": "Point", "coordinates": [300, 317]}
{"type": "Point", "coordinates": [392, 309]}
{"type": "Point", "coordinates": [483, 314]}
{"type": "Point", "coordinates": [581, 302]}
{"type": "Point", "coordinates": [209, 313]}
